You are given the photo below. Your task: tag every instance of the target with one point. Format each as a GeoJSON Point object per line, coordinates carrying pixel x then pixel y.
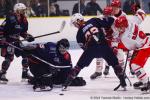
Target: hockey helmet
{"type": "Point", "coordinates": [116, 3]}
{"type": "Point", "coordinates": [76, 18]}
{"type": "Point", "coordinates": [135, 7]}
{"type": "Point", "coordinates": [107, 10]}
{"type": "Point", "coordinates": [121, 22]}
{"type": "Point", "coordinates": [19, 7]}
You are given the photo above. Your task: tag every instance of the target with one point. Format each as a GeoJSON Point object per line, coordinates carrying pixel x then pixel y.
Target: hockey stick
{"type": "Point", "coordinates": [54, 66]}
{"type": "Point", "coordinates": [59, 31]}
{"type": "Point", "coordinates": [124, 72]}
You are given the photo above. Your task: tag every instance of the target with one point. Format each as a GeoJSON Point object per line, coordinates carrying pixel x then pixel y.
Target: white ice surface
{"type": "Point", "coordinates": [99, 89]}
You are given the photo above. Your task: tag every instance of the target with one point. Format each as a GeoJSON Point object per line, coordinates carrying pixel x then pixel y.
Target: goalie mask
{"type": "Point", "coordinates": [63, 45]}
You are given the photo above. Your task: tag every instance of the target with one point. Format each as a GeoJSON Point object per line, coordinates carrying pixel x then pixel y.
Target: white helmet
{"type": "Point", "coordinates": [19, 6]}
{"type": "Point", "coordinates": [75, 17]}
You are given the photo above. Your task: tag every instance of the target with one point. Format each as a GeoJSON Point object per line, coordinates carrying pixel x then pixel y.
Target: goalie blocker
{"type": "Point", "coordinates": [44, 74]}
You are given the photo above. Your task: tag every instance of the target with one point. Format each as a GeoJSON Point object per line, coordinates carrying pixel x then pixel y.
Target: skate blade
{"type": "Point", "coordinates": [137, 88]}
{"type": "Point", "coordinates": [96, 77]}
{"type": "Point", "coordinates": [106, 76]}
{"type": "Point", "coordinates": [42, 89]}
{"type": "Point", "coordinates": [146, 92]}
{"type": "Point", "coordinates": [64, 88]}
{"type": "Point", "coordinates": [124, 89]}
{"type": "Point", "coordinates": [24, 80]}
{"type": "Point", "coordinates": [3, 82]}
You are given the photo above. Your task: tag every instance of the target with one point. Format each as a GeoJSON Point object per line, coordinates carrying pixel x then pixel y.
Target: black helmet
{"type": "Point", "coordinates": [64, 43]}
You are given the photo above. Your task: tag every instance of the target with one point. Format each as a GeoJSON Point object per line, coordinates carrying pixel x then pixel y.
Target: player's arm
{"type": "Point", "coordinates": [139, 17]}
{"type": "Point", "coordinates": [105, 22]}
{"type": "Point", "coordinates": [25, 34]}
{"type": "Point", "coordinates": [29, 47]}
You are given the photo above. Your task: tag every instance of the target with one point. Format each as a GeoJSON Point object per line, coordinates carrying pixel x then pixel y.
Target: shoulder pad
{"type": "Point", "coordinates": [11, 18]}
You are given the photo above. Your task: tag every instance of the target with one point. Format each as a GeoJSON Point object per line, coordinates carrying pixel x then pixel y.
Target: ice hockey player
{"type": "Point", "coordinates": [44, 75]}
{"type": "Point", "coordinates": [139, 17]}
{"type": "Point", "coordinates": [100, 62]}
{"type": "Point", "coordinates": [116, 11]}
{"type": "Point", "coordinates": [94, 46]}
{"type": "Point", "coordinates": [132, 38]}
{"type": "Point", "coordinates": [14, 26]}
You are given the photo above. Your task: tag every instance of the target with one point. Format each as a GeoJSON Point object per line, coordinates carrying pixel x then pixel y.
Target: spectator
{"type": "Point", "coordinates": [149, 6]}
{"type": "Point", "coordinates": [92, 7]}
{"type": "Point", "coordinates": [82, 8]}
{"type": "Point", "coordinates": [30, 11]}
{"type": "Point", "coordinates": [127, 5]}
{"type": "Point", "coordinates": [39, 8]}
{"type": "Point", "coordinates": [6, 7]}
{"type": "Point", "coordinates": [2, 8]}
{"type": "Point", "coordinates": [54, 8]}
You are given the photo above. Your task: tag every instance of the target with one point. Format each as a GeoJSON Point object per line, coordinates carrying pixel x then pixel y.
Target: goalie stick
{"type": "Point", "coordinates": [54, 66]}
{"type": "Point", "coordinates": [59, 31]}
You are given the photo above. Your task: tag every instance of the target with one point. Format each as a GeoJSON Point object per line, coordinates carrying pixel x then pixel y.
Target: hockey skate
{"type": "Point", "coordinates": [3, 79]}
{"type": "Point", "coordinates": [106, 71]}
{"type": "Point", "coordinates": [25, 75]}
{"type": "Point", "coordinates": [146, 88]}
{"type": "Point", "coordinates": [39, 88]}
{"type": "Point", "coordinates": [138, 85]}
{"type": "Point", "coordinates": [95, 75]}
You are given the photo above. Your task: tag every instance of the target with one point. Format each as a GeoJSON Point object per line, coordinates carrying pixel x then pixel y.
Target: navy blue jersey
{"type": "Point", "coordinates": [93, 27]}
{"type": "Point", "coordinates": [50, 53]}
{"type": "Point", "coordinates": [13, 28]}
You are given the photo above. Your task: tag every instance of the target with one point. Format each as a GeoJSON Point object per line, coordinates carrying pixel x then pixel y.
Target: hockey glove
{"type": "Point", "coordinates": [29, 38]}
{"type": "Point", "coordinates": [72, 75]}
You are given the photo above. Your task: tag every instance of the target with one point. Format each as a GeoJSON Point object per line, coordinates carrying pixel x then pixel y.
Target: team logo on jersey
{"type": "Point", "coordinates": [17, 26]}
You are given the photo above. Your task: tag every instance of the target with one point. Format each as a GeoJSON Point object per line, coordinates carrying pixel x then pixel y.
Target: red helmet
{"type": "Point", "coordinates": [116, 3]}
{"type": "Point", "coordinates": [121, 22]}
{"type": "Point", "coordinates": [135, 7]}
{"type": "Point", "coordinates": [107, 10]}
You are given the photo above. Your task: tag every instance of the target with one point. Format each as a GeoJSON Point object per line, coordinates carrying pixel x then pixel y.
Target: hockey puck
{"type": "Point", "coordinates": [61, 94]}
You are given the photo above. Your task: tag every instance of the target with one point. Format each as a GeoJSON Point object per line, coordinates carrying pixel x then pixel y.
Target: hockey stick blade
{"type": "Point", "coordinates": [62, 26]}
{"type": "Point", "coordinates": [59, 31]}
{"type": "Point", "coordinates": [117, 87]}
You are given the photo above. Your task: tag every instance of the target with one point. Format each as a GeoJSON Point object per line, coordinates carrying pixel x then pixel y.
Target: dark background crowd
{"type": "Point", "coordinates": [42, 8]}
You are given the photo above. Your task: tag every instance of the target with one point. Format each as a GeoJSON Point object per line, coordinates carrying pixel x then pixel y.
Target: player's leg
{"type": "Point", "coordinates": [112, 60]}
{"type": "Point", "coordinates": [137, 64]}
{"type": "Point", "coordinates": [106, 70]}
{"type": "Point", "coordinates": [25, 73]}
{"type": "Point", "coordinates": [131, 55]}
{"type": "Point", "coordinates": [99, 67]}
{"type": "Point", "coordinates": [8, 53]}
{"type": "Point", "coordinates": [121, 57]}
{"type": "Point", "coordinates": [84, 61]}
{"type": "Point", "coordinates": [42, 77]}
